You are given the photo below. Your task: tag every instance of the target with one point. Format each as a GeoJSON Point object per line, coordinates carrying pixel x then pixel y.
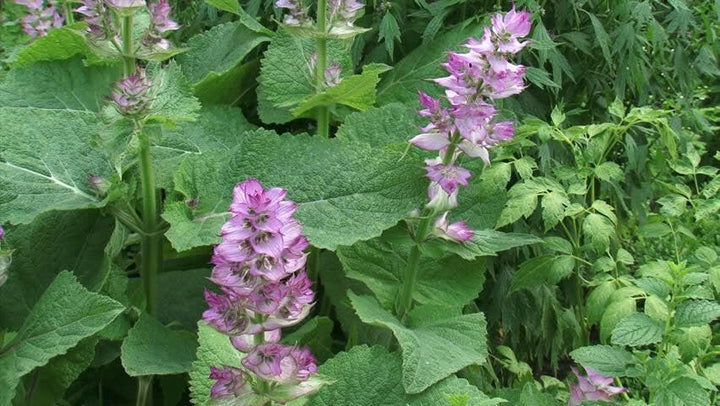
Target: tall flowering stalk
{"type": "Point", "coordinates": [259, 268]}
{"type": "Point", "coordinates": [465, 124]}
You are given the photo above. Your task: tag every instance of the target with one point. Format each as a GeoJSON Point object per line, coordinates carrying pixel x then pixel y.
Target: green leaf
{"type": "Point", "coordinates": [215, 63]}
{"type": "Point", "coordinates": [61, 43]}
{"type": "Point", "coordinates": [391, 124]}
{"type": "Point", "coordinates": [64, 315]}
{"type": "Point", "coordinates": [152, 349]}
{"type": "Point", "coordinates": [412, 72]}
{"type": "Point", "coordinates": [554, 205]}
{"type": "Point", "coordinates": [616, 108]}
{"type": "Point", "coordinates": [217, 127]}
{"type": "Point", "coordinates": [462, 338]}
{"type": "Point", "coordinates": [381, 262]}
{"type": "Point", "coordinates": [52, 380]}
{"type": "Point", "coordinates": [605, 359]}
{"type": "Point", "coordinates": [517, 206]}
{"type": "Point", "coordinates": [389, 31]}
{"type": "Point", "coordinates": [614, 313]}
{"type": "Point", "coordinates": [482, 202]}
{"type": "Point", "coordinates": [449, 388]}
{"type": "Point", "coordinates": [602, 38]}
{"type": "Point", "coordinates": [285, 79]}
{"type": "Point", "coordinates": [331, 180]}
{"type": "Point", "coordinates": [38, 173]}
{"type": "Point", "coordinates": [598, 229]}
{"type": "Point", "coordinates": [233, 6]}
{"type": "Point", "coordinates": [683, 391]}
{"type": "Point", "coordinates": [364, 376]}
{"type": "Point", "coordinates": [172, 95]}
{"type": "Point", "coordinates": [61, 85]}
{"type": "Point", "coordinates": [637, 330]}
{"type": "Point", "coordinates": [597, 301]}
{"type": "Point", "coordinates": [53, 242]}
{"type": "Point", "coordinates": [356, 91]}
{"type": "Point", "coordinates": [214, 350]}
{"type": "Point", "coordinates": [609, 171]}
{"type": "Point", "coordinates": [544, 269]}
{"type": "Point", "coordinates": [315, 333]}
{"type": "Point", "coordinates": [696, 313]}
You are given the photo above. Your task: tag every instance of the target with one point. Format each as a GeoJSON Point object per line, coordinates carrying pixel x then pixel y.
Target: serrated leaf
{"type": "Point", "coordinates": [390, 124]}
{"type": "Point", "coordinates": [380, 264]}
{"type": "Point", "coordinates": [462, 338]}
{"type": "Point", "coordinates": [152, 349]}
{"type": "Point", "coordinates": [331, 180]}
{"type": "Point", "coordinates": [539, 270]}
{"type": "Point", "coordinates": [233, 6]}
{"type": "Point", "coordinates": [602, 39]}
{"type": "Point", "coordinates": [516, 207]}
{"type": "Point", "coordinates": [605, 359]}
{"type": "Point", "coordinates": [285, 79]}
{"type": "Point", "coordinates": [637, 330]}
{"type": "Point", "coordinates": [58, 44]}
{"type": "Point", "coordinates": [609, 171]}
{"type": "Point", "coordinates": [683, 391]}
{"type": "Point", "coordinates": [53, 242]}
{"type": "Point", "coordinates": [356, 91]}
{"type": "Point", "coordinates": [614, 313]}
{"type": "Point", "coordinates": [554, 205]}
{"type": "Point", "coordinates": [389, 31]}
{"type": "Point", "coordinates": [215, 63]}
{"type": "Point", "coordinates": [598, 230]}
{"type": "Point", "coordinates": [214, 350]}
{"type": "Point", "coordinates": [171, 95]}
{"type": "Point", "coordinates": [597, 301]}
{"type": "Point", "coordinates": [64, 315]}
{"type": "Point", "coordinates": [691, 313]}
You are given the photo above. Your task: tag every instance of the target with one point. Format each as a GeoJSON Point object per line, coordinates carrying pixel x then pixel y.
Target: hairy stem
{"type": "Point", "coordinates": [151, 244]}
{"type": "Point", "coordinates": [323, 114]}
{"type": "Point", "coordinates": [127, 46]}
{"type": "Point", "coordinates": [144, 395]}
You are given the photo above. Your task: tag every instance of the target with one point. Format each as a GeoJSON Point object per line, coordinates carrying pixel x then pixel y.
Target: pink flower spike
{"type": "Point", "coordinates": [430, 141]}
{"type": "Point", "coordinates": [228, 381]}
{"type": "Point", "coordinates": [447, 176]}
{"type": "Point", "coordinates": [593, 387]}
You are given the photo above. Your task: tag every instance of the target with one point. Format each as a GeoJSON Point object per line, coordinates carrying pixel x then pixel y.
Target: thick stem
{"type": "Point", "coordinates": [127, 46]}
{"type": "Point", "coordinates": [69, 17]}
{"type": "Point", "coordinates": [411, 271]}
{"type": "Point", "coordinates": [151, 245]}
{"type": "Point", "coordinates": [323, 114]}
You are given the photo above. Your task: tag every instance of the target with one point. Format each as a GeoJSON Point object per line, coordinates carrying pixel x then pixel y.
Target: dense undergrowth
{"type": "Point", "coordinates": [292, 202]}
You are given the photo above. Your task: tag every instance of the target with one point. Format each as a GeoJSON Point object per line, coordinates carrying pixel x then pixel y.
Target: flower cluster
{"type": "Point", "coordinates": [476, 79]}
{"type": "Point", "coordinates": [5, 259]}
{"type": "Point", "coordinates": [130, 96]}
{"type": "Point", "coordinates": [101, 26]}
{"type": "Point", "coordinates": [259, 268]}
{"type": "Point", "coordinates": [338, 11]}
{"type": "Point", "coordinates": [593, 387]}
{"type": "Point", "coordinates": [41, 19]}
{"type": "Point", "coordinates": [332, 73]}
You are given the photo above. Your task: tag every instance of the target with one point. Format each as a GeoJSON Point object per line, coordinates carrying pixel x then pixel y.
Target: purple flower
{"type": "Point", "coordinates": [228, 315]}
{"type": "Point", "coordinates": [40, 20]}
{"type": "Point", "coordinates": [96, 17]}
{"type": "Point", "coordinates": [126, 5]}
{"type": "Point", "coordinates": [246, 342]}
{"type": "Point", "coordinates": [447, 176]}
{"type": "Point", "coordinates": [332, 75]}
{"type": "Point", "coordinates": [593, 387]}
{"type": "Point", "coordinates": [229, 381]}
{"type": "Point", "coordinates": [130, 94]}
{"type": "Point", "coordinates": [2, 233]}
{"type": "Point", "coordinates": [280, 363]}
{"type": "Point", "coordinates": [508, 28]}
{"type": "Point", "coordinates": [440, 200]}
{"type": "Point", "coordinates": [346, 10]}
{"type": "Point", "coordinates": [457, 231]}
{"type": "Point", "coordinates": [160, 23]}
{"type": "Point", "coordinates": [297, 15]}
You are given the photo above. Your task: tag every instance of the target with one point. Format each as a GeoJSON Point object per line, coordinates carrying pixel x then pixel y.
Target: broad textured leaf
{"type": "Point", "coordinates": [217, 127]}
{"type": "Point", "coordinates": [696, 313]}
{"type": "Point", "coordinates": [683, 391]}
{"type": "Point", "coordinates": [182, 293]}
{"type": "Point", "coordinates": [452, 387]}
{"type": "Point", "coordinates": [152, 349]}
{"type": "Point", "coordinates": [64, 315]}
{"type": "Point", "coordinates": [390, 124]}
{"type": "Point", "coordinates": [59, 85]}
{"type": "Point", "coordinates": [462, 338]}
{"type": "Point", "coordinates": [58, 44]}
{"type": "Point", "coordinates": [597, 301]}
{"type": "Point", "coordinates": [356, 91]}
{"type": "Point", "coordinates": [381, 262]}
{"type": "Point", "coordinates": [481, 204]}
{"type": "Point", "coordinates": [172, 94]}
{"type": "Point", "coordinates": [614, 313]}
{"type": "Point", "coordinates": [53, 242]}
{"type": "Point", "coordinates": [215, 63]}
{"type": "Point", "coordinates": [46, 161]}
{"type": "Point", "coordinates": [346, 192]}
{"type": "Point", "coordinates": [214, 350]}
{"type": "Point", "coordinates": [412, 72]}
{"type": "Point", "coordinates": [285, 78]}
{"type": "Point", "coordinates": [364, 376]}
{"type": "Point", "coordinates": [637, 330]}
{"type": "Point", "coordinates": [607, 360]}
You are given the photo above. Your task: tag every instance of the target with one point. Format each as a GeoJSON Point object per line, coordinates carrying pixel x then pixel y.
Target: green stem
{"type": "Point", "coordinates": [323, 114]}
{"type": "Point", "coordinates": [144, 395]}
{"type": "Point", "coordinates": [127, 46]}
{"type": "Point", "coordinates": [69, 17]}
{"type": "Point", "coordinates": [151, 244]}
